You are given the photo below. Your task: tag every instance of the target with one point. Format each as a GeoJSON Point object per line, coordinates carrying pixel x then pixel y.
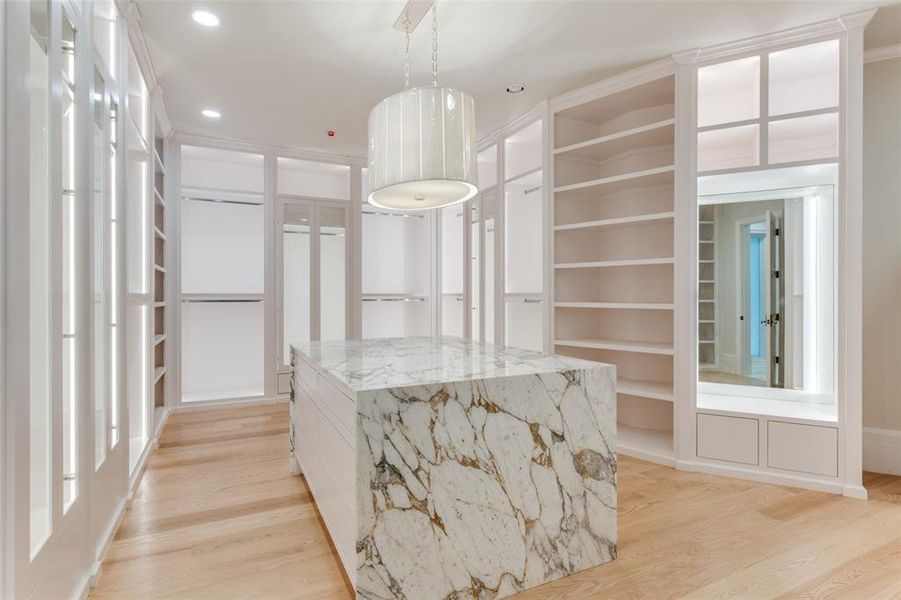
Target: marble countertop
{"type": "Point", "coordinates": [374, 364]}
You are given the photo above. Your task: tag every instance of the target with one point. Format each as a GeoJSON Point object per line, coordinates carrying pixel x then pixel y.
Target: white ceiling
{"type": "Point", "coordinates": [284, 72]}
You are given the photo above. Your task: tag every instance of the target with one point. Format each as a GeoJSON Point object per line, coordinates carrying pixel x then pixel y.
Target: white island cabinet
{"type": "Point", "coordinates": [447, 468]}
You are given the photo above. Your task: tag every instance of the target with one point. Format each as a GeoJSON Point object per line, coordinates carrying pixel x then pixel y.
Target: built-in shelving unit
{"type": "Point", "coordinates": [613, 248]}
{"type": "Point", "coordinates": [707, 351]}
{"type": "Point", "coordinates": [159, 353]}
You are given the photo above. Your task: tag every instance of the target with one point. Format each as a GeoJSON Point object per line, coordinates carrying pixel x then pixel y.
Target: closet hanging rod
{"type": "Point", "coordinates": [407, 299]}
{"type": "Point", "coordinates": [320, 233]}
{"type": "Point", "coordinates": [215, 301]}
{"type": "Point", "coordinates": [387, 214]}
{"type": "Point", "coordinates": [221, 201]}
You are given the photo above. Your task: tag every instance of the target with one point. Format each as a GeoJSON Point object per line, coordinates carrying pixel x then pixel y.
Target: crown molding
{"type": "Point", "coordinates": [225, 143]}
{"type": "Point", "coordinates": [132, 14]}
{"type": "Point", "coordinates": [795, 35]}
{"type": "Point", "coordinates": [882, 53]}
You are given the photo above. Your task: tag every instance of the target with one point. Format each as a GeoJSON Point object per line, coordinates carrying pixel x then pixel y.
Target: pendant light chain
{"type": "Point", "coordinates": [435, 43]}
{"type": "Point", "coordinates": [407, 51]}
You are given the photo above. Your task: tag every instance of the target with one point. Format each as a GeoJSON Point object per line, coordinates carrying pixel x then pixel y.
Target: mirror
{"type": "Point", "coordinates": [766, 289]}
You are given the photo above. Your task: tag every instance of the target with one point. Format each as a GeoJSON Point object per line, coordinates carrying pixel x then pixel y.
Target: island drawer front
{"type": "Point", "coordinates": [340, 407]}
{"type": "Point", "coordinates": [338, 455]}
{"type": "Point", "coordinates": [733, 439]}
{"type": "Point", "coordinates": [790, 444]}
{"type": "Point", "coordinates": [307, 375]}
{"type": "Point", "coordinates": [338, 516]}
{"type": "Point", "coordinates": [306, 425]}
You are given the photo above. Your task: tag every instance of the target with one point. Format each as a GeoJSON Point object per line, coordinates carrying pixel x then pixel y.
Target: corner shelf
{"type": "Point", "coordinates": [617, 305]}
{"type": "Point", "coordinates": [617, 222]}
{"type": "Point", "coordinates": [618, 345]}
{"type": "Point", "coordinates": [606, 146]}
{"type": "Point", "coordinates": [654, 176]}
{"type": "Point", "coordinates": [645, 444]}
{"type": "Point", "coordinates": [605, 264]}
{"type": "Point", "coordinates": [645, 389]}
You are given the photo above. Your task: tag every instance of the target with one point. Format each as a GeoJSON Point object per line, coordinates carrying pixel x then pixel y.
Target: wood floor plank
{"type": "Point", "coordinates": [218, 515]}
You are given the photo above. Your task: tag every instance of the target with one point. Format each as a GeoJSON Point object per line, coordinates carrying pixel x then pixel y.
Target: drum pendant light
{"type": "Point", "coordinates": [422, 143]}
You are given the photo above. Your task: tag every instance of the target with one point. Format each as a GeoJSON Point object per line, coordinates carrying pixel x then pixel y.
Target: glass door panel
{"type": "Point", "coordinates": [475, 271]}
{"type": "Point", "coordinates": [332, 272]}
{"type": "Point", "coordinates": [296, 261]}
{"type": "Point", "coordinates": [489, 211]}
{"type": "Point", "coordinates": [40, 287]}
{"type": "Point", "coordinates": [452, 254]}
{"type": "Point", "coordinates": [523, 257]}
{"type": "Point", "coordinates": [68, 266]}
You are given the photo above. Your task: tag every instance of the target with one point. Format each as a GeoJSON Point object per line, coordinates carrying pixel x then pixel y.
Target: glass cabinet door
{"type": "Point", "coordinates": [296, 247]}
{"type": "Point", "coordinates": [452, 304]}
{"type": "Point", "coordinates": [332, 229]}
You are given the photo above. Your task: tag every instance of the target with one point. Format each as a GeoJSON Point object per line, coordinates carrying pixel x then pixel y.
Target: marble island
{"type": "Point", "coordinates": [444, 468]}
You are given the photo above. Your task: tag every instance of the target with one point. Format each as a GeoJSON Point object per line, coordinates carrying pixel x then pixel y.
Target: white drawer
{"type": "Point", "coordinates": [732, 439]}
{"type": "Point", "coordinates": [306, 425]}
{"type": "Point", "coordinates": [342, 408]}
{"type": "Point", "coordinates": [337, 514]}
{"type": "Point", "coordinates": [339, 456]}
{"type": "Point", "coordinates": [283, 383]}
{"type": "Point", "coordinates": [803, 448]}
{"type": "Point", "coordinates": [306, 374]}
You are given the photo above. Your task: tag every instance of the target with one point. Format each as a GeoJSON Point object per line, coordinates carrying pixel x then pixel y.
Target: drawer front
{"type": "Point", "coordinates": [283, 383]}
{"type": "Point", "coordinates": [306, 426]}
{"type": "Point", "coordinates": [306, 374]}
{"type": "Point", "coordinates": [733, 439]}
{"type": "Point", "coordinates": [342, 409]}
{"type": "Point", "coordinates": [338, 455]}
{"type": "Point", "coordinates": [337, 514]}
{"type": "Point", "coordinates": [803, 448]}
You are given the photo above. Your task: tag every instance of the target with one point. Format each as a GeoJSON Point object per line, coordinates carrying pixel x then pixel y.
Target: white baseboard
{"type": "Point", "coordinates": [207, 404]}
{"type": "Point", "coordinates": [882, 450]}
{"type": "Point", "coordinates": [786, 479]}
{"type": "Point", "coordinates": [96, 569]}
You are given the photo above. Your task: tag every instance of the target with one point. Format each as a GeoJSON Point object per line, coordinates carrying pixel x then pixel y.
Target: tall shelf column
{"type": "Point", "coordinates": [613, 245]}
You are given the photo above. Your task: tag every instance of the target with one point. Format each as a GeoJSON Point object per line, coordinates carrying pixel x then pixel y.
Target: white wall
{"type": "Point", "coordinates": [882, 258]}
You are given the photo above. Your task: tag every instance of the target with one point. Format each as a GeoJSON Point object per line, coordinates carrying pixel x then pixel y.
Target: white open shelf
{"type": "Point", "coordinates": [647, 444]}
{"type": "Point", "coordinates": [618, 345]}
{"type": "Point", "coordinates": [617, 305]}
{"type": "Point", "coordinates": [645, 389]}
{"type": "Point", "coordinates": [602, 264]}
{"type": "Point", "coordinates": [617, 222]}
{"type": "Point", "coordinates": [601, 148]}
{"type": "Point", "coordinates": [653, 176]}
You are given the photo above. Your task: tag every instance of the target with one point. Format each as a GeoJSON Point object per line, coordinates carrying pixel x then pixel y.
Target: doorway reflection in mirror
{"type": "Point", "coordinates": [766, 289]}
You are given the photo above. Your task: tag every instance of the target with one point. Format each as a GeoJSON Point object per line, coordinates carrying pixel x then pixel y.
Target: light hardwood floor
{"type": "Point", "coordinates": [218, 515]}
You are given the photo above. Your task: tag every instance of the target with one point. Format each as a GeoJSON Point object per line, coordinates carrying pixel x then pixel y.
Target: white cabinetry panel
{"type": "Point", "coordinates": [733, 439]}
{"type": "Point", "coordinates": [805, 448]}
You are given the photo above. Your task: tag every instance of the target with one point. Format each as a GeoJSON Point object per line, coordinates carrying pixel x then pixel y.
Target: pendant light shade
{"type": "Point", "coordinates": [422, 149]}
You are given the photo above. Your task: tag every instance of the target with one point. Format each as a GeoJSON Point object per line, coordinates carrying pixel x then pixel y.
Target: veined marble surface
{"type": "Point", "coordinates": [392, 362]}
{"type": "Point", "coordinates": [497, 480]}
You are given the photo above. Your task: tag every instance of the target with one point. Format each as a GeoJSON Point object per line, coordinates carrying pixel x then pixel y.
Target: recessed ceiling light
{"type": "Point", "coordinates": [515, 89]}
{"type": "Point", "coordinates": [205, 18]}
{"type": "Point", "coordinates": [209, 113]}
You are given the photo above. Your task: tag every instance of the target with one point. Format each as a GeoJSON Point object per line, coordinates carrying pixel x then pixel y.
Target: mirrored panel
{"type": "Point", "coordinates": [766, 263]}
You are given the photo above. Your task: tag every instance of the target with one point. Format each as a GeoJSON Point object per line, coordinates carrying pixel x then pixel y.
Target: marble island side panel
{"type": "Point", "coordinates": [485, 487]}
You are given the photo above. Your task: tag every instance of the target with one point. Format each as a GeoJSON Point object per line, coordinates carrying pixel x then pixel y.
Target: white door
{"type": "Point", "coordinates": [109, 469]}
{"type": "Point", "coordinates": [47, 375]}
